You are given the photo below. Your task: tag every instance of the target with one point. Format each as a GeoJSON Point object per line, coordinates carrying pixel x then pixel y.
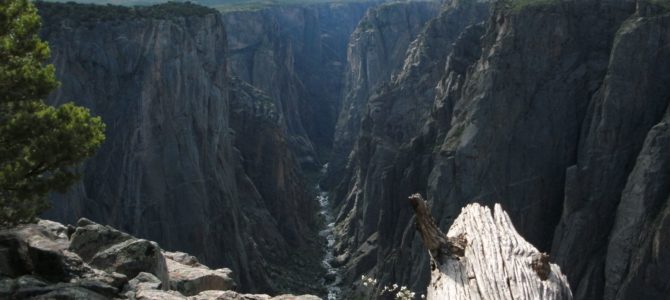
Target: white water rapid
{"type": "Point", "coordinates": [332, 279]}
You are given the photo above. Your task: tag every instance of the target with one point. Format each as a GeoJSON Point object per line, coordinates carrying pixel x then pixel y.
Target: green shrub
{"type": "Point", "coordinates": [80, 13]}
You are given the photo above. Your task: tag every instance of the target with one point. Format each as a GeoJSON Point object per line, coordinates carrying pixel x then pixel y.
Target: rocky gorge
{"type": "Point", "coordinates": [218, 123]}
{"type": "Point", "coordinates": [181, 166]}
{"type": "Point", "coordinates": [529, 110]}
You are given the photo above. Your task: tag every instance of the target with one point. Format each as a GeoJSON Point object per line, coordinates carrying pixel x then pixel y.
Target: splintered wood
{"type": "Point", "coordinates": [483, 257]}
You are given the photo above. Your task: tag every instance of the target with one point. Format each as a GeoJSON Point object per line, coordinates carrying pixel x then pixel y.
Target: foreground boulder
{"type": "Point", "coordinates": [483, 257]}
{"type": "Point", "coordinates": [132, 257]}
{"type": "Point", "coordinates": [35, 263]}
{"type": "Point", "coordinates": [38, 248]}
{"type": "Point", "coordinates": [48, 260]}
{"type": "Point", "coordinates": [190, 277]}
{"type": "Point", "coordinates": [89, 238]}
{"type": "Point", "coordinates": [108, 249]}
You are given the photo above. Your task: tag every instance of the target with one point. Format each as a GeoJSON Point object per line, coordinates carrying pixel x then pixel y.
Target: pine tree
{"type": "Point", "coordinates": [40, 145]}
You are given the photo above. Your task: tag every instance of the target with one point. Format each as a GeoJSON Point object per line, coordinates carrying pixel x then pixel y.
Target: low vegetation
{"type": "Point", "coordinates": [394, 291]}
{"type": "Point", "coordinates": [521, 4]}
{"type": "Point", "coordinates": [82, 13]}
{"type": "Point", "coordinates": [242, 5]}
{"type": "Point", "coordinates": [220, 5]}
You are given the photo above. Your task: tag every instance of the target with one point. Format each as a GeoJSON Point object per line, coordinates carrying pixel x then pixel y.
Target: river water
{"type": "Point", "coordinates": [332, 279]}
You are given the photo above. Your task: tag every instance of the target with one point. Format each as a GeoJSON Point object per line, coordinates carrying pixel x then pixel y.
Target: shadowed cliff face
{"type": "Point", "coordinates": [387, 163]}
{"type": "Point", "coordinates": [618, 184]}
{"type": "Point", "coordinates": [556, 111]}
{"type": "Point", "coordinates": [296, 54]}
{"type": "Point", "coordinates": [193, 159]}
{"type": "Point", "coordinates": [376, 50]}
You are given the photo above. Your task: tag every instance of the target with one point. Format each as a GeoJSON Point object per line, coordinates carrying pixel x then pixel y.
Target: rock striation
{"type": "Point", "coordinates": [40, 261]}
{"type": "Point", "coordinates": [179, 166]}
{"type": "Point", "coordinates": [555, 110]}
{"type": "Point", "coordinates": [296, 54]}
{"type": "Point", "coordinates": [274, 176]}
{"type": "Point", "coordinates": [615, 182]}
{"type": "Point", "coordinates": [483, 257]}
{"type": "Point", "coordinates": [388, 160]}
{"type": "Point", "coordinates": [376, 50]}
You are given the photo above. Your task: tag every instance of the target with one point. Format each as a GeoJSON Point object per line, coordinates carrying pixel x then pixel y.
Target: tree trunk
{"type": "Point", "coordinates": [483, 257]}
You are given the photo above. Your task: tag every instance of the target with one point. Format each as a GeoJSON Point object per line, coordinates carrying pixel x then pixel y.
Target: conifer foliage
{"type": "Point", "coordinates": [40, 145]}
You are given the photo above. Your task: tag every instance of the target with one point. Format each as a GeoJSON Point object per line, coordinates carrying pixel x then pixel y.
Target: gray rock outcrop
{"type": "Point", "coordinates": [190, 278]}
{"type": "Point", "coordinates": [90, 238]}
{"type": "Point", "coordinates": [132, 257]}
{"type": "Point", "coordinates": [43, 266]}
{"type": "Point", "coordinates": [36, 249]}
{"type": "Point", "coordinates": [230, 295]}
{"type": "Point", "coordinates": [38, 261]}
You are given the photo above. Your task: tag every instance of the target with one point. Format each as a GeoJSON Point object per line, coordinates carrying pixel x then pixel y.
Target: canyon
{"type": "Point", "coordinates": [220, 122]}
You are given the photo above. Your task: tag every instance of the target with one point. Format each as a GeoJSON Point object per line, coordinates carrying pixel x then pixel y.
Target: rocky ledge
{"type": "Point", "coordinates": [49, 260]}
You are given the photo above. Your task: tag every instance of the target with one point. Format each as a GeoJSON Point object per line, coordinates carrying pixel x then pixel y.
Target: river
{"type": "Point", "coordinates": [333, 278]}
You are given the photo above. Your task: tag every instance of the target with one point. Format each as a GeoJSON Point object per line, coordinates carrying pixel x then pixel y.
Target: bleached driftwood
{"type": "Point", "coordinates": [483, 257]}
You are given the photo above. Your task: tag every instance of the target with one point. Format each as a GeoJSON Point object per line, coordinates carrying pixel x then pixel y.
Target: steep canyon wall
{"type": "Point", "coordinates": [296, 54]}
{"type": "Point", "coordinates": [194, 159]}
{"type": "Point", "coordinates": [556, 110]}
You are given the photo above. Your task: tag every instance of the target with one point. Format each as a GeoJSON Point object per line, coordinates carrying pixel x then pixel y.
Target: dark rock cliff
{"type": "Point", "coordinates": [556, 110]}
{"type": "Point", "coordinates": [182, 164]}
{"type": "Point", "coordinates": [274, 176]}
{"type": "Point", "coordinates": [296, 55]}
{"type": "Point", "coordinates": [387, 163]}
{"type": "Point", "coordinates": [376, 50]}
{"type": "Point", "coordinates": [616, 193]}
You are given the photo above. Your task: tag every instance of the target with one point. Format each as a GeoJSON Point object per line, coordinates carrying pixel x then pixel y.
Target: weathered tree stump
{"type": "Point", "coordinates": [483, 257]}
